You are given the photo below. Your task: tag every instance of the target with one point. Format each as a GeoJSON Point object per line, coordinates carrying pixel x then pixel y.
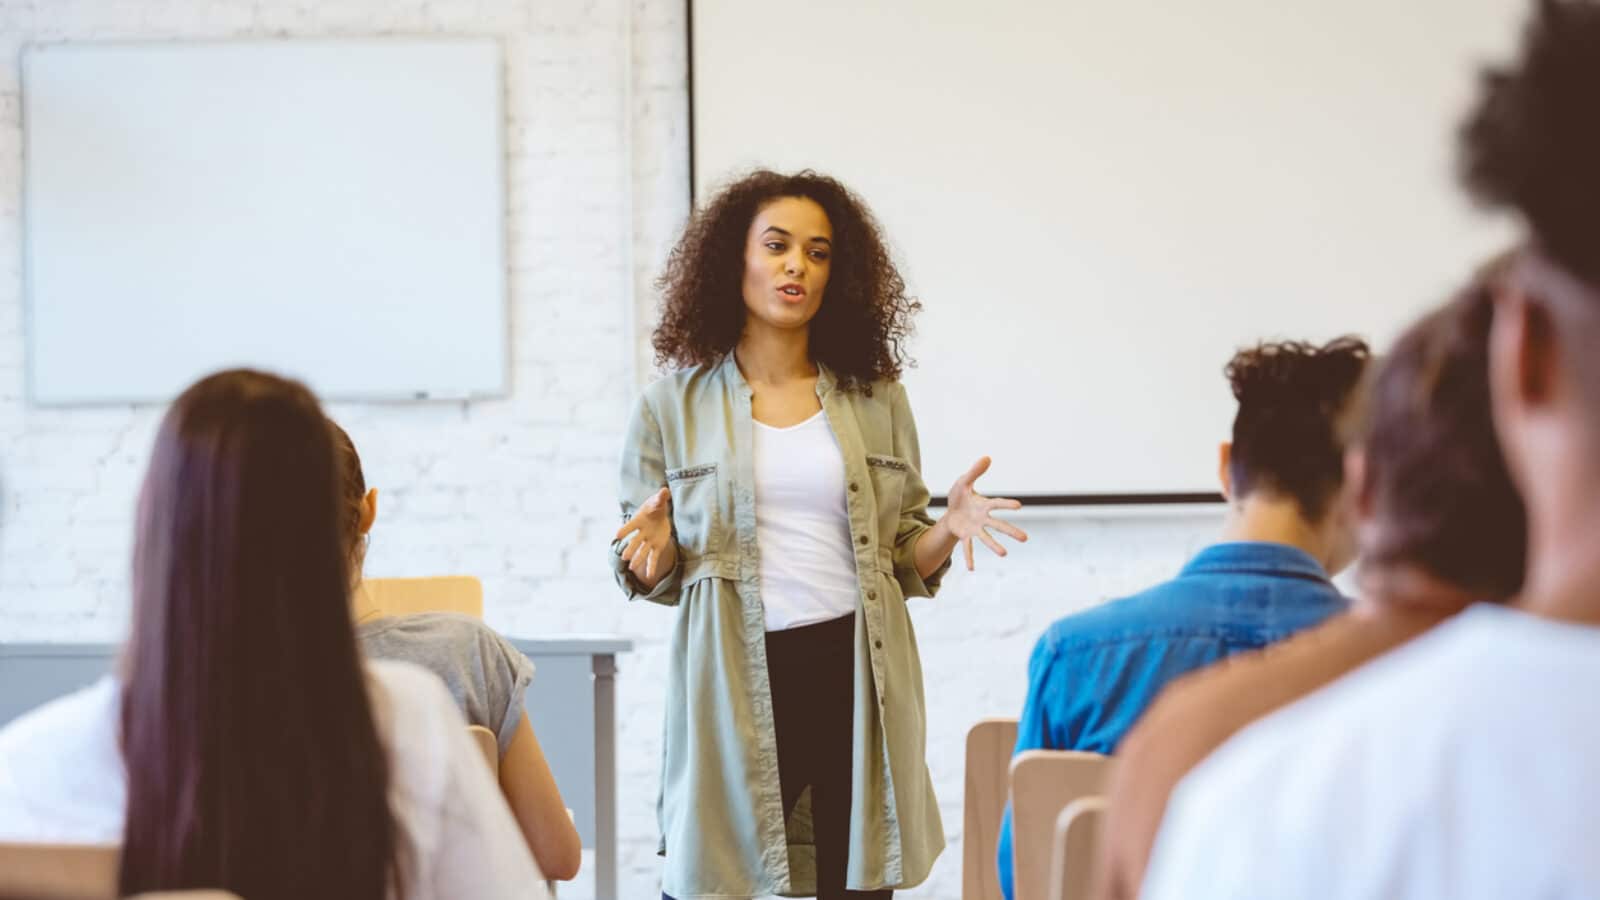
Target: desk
{"type": "Point", "coordinates": [571, 704]}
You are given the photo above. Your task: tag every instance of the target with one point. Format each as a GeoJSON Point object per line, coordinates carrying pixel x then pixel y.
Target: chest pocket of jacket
{"type": "Point", "coordinates": [888, 475]}
{"type": "Point", "coordinates": [694, 506]}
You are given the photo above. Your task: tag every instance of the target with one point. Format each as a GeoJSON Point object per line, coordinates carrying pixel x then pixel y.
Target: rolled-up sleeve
{"type": "Point", "coordinates": [643, 473]}
{"type": "Point", "coordinates": [914, 518]}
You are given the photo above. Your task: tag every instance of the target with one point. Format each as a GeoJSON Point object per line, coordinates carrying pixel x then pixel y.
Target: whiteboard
{"type": "Point", "coordinates": [1097, 202]}
{"type": "Point", "coordinates": [332, 210]}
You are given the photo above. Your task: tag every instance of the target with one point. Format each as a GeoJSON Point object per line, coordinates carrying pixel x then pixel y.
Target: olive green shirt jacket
{"type": "Point", "coordinates": [723, 831]}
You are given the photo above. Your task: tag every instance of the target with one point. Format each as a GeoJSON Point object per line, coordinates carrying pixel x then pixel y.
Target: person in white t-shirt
{"type": "Point", "coordinates": [242, 744]}
{"type": "Point", "coordinates": [1461, 766]}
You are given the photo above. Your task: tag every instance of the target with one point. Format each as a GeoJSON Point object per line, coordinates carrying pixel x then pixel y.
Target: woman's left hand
{"type": "Point", "coordinates": [969, 514]}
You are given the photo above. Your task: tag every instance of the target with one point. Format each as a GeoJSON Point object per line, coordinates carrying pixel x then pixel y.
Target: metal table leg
{"type": "Point", "coordinates": [605, 776]}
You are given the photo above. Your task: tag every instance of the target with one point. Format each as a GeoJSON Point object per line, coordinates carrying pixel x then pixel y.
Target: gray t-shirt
{"type": "Point", "coordinates": [485, 674]}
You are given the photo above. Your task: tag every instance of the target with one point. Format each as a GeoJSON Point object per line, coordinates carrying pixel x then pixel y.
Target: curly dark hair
{"type": "Point", "coordinates": [1532, 144]}
{"type": "Point", "coordinates": [1289, 435]}
{"type": "Point", "coordinates": [861, 328]}
{"type": "Point", "coordinates": [1437, 481]}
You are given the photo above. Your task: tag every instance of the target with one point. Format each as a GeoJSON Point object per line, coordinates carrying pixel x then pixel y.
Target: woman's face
{"type": "Point", "coordinates": [787, 253]}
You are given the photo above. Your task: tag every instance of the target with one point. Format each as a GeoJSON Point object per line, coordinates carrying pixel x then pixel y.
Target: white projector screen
{"type": "Point", "coordinates": [333, 210]}
{"type": "Point", "coordinates": [1097, 202]}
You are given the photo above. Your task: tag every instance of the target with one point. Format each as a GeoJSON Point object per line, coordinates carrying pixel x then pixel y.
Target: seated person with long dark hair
{"type": "Point", "coordinates": [243, 745]}
{"type": "Point", "coordinates": [486, 675]}
{"type": "Point", "coordinates": [1093, 674]}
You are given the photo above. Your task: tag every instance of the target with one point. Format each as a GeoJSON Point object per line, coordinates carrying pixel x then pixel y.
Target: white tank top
{"type": "Point", "coordinates": [808, 567]}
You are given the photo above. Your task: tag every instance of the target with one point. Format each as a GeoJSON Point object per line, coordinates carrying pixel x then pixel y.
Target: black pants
{"type": "Point", "coordinates": [812, 672]}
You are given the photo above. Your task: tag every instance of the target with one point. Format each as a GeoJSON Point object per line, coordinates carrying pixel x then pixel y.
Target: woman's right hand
{"type": "Point", "coordinates": [650, 552]}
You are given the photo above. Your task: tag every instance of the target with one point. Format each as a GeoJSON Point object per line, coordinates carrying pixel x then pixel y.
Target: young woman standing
{"type": "Point", "coordinates": [771, 491]}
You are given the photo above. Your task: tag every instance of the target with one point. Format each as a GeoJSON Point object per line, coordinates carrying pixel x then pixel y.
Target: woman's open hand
{"type": "Point", "coordinates": [969, 514]}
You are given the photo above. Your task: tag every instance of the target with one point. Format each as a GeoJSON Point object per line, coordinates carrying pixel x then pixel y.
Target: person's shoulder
{"type": "Point", "coordinates": [1316, 749]}
{"type": "Point", "coordinates": [1491, 670]}
{"type": "Point", "coordinates": [1380, 750]}
{"type": "Point", "coordinates": [77, 717]}
{"type": "Point", "coordinates": [672, 383]}
{"type": "Point", "coordinates": [421, 730]}
{"type": "Point", "coordinates": [440, 630]}
{"type": "Point", "coordinates": [679, 398]}
{"type": "Point", "coordinates": [446, 627]}
{"type": "Point", "coordinates": [409, 693]}
{"type": "Point", "coordinates": [1136, 617]}
{"type": "Point", "coordinates": [677, 384]}
{"type": "Point", "coordinates": [1442, 669]}
{"type": "Point", "coordinates": [889, 390]}
{"type": "Point", "coordinates": [1221, 698]}
{"type": "Point", "coordinates": [414, 712]}
{"type": "Point", "coordinates": [1513, 630]}
{"type": "Point", "coordinates": [61, 770]}
{"type": "Point", "coordinates": [884, 393]}
{"type": "Point", "coordinates": [1274, 784]}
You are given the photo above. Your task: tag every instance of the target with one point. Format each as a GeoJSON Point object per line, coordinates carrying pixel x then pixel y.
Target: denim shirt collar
{"type": "Point", "coordinates": [1255, 557]}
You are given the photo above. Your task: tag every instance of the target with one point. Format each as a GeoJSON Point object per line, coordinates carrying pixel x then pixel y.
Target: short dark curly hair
{"type": "Point", "coordinates": [1532, 143]}
{"type": "Point", "coordinates": [860, 330]}
{"type": "Point", "coordinates": [1291, 429]}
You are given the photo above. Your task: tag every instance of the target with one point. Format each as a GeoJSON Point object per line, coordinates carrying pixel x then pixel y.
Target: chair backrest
{"type": "Point", "coordinates": [74, 872]}
{"type": "Point", "coordinates": [186, 895]}
{"type": "Point", "coordinates": [488, 745]}
{"type": "Point", "coordinates": [989, 746]}
{"type": "Point", "coordinates": [1077, 840]}
{"type": "Point", "coordinates": [442, 593]}
{"type": "Point", "coordinates": [1043, 783]}
{"type": "Point", "coordinates": [58, 872]}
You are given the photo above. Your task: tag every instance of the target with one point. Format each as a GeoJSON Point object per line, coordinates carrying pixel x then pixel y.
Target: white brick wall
{"type": "Point", "coordinates": [517, 491]}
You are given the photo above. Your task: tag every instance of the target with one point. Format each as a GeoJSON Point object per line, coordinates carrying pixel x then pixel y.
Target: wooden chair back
{"type": "Point", "coordinates": [440, 593]}
{"type": "Point", "coordinates": [1077, 840]}
{"type": "Point", "coordinates": [1043, 783]}
{"type": "Point", "coordinates": [488, 745]}
{"type": "Point", "coordinates": [58, 872]}
{"type": "Point", "coordinates": [989, 746]}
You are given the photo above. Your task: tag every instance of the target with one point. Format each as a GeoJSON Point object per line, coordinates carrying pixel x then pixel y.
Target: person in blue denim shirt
{"type": "Point", "coordinates": [1094, 673]}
